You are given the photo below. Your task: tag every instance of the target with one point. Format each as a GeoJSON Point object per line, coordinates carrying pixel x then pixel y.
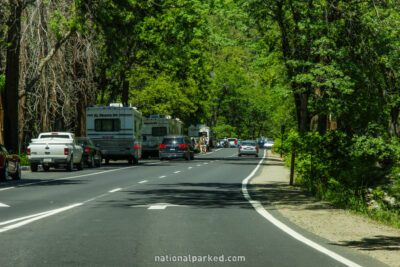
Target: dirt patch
{"type": "Point", "coordinates": [339, 226]}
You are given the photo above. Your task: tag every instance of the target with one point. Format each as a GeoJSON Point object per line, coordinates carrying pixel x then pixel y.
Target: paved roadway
{"type": "Point", "coordinates": [121, 215]}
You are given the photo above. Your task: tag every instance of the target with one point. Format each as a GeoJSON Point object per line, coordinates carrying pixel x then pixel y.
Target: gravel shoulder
{"type": "Point", "coordinates": [318, 217]}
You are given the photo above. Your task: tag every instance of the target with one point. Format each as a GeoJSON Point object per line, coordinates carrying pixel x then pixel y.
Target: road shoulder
{"type": "Point", "coordinates": [340, 227]}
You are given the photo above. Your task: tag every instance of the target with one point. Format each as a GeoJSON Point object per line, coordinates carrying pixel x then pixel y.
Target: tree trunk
{"type": "Point", "coordinates": [10, 97]}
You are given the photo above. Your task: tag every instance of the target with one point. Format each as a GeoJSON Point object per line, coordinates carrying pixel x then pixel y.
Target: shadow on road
{"type": "Point", "coordinates": [380, 242]}
{"type": "Point", "coordinates": [197, 195]}
{"type": "Point", "coordinates": [281, 194]}
{"type": "Point", "coordinates": [40, 182]}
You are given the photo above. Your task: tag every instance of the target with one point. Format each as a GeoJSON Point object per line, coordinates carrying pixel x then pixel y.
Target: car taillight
{"type": "Point", "coordinates": [28, 151]}
{"type": "Point", "coordinates": [163, 146]}
{"type": "Point", "coordinates": [66, 151]}
{"type": "Point", "coordinates": [136, 146]}
{"type": "Point", "coordinates": [257, 147]}
{"type": "Point", "coordinates": [182, 146]}
{"type": "Point", "coordinates": [86, 150]}
{"type": "Point", "coordinates": [240, 147]}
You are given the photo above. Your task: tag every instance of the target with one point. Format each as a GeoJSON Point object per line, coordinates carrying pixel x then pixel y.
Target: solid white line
{"type": "Point", "coordinates": [4, 205]}
{"type": "Point", "coordinates": [7, 188]}
{"type": "Point", "coordinates": [260, 209]}
{"type": "Point", "coordinates": [162, 176]}
{"type": "Point", "coordinates": [142, 182]}
{"type": "Point", "coordinates": [177, 172]}
{"type": "Point", "coordinates": [36, 217]}
{"type": "Point", "coordinates": [115, 190]}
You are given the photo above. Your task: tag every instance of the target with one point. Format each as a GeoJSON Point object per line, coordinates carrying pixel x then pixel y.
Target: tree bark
{"type": "Point", "coordinates": [10, 97]}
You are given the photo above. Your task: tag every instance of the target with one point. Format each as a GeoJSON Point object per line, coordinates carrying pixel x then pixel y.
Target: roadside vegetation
{"type": "Point", "coordinates": [320, 75]}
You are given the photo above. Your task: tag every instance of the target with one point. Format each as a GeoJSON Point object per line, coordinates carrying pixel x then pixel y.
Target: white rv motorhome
{"type": "Point", "coordinates": [154, 128]}
{"type": "Point", "coordinates": [202, 130]}
{"type": "Point", "coordinates": [116, 130]}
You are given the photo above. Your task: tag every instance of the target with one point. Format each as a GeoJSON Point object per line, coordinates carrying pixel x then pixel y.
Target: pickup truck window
{"type": "Point", "coordinates": [107, 125]}
{"type": "Point", "coordinates": [61, 136]}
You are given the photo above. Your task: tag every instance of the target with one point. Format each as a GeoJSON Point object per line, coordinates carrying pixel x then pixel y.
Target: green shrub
{"type": "Point", "coordinates": [24, 159]}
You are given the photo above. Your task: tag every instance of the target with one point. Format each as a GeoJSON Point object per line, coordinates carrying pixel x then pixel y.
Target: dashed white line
{"type": "Point", "coordinates": [198, 165]}
{"type": "Point", "coordinates": [163, 176]}
{"type": "Point", "coordinates": [115, 190]}
{"type": "Point", "coordinates": [177, 172]}
{"type": "Point", "coordinates": [4, 205]}
{"type": "Point", "coordinates": [205, 163]}
{"type": "Point", "coordinates": [263, 212]}
{"type": "Point", "coordinates": [190, 168]}
{"type": "Point", "coordinates": [142, 182]}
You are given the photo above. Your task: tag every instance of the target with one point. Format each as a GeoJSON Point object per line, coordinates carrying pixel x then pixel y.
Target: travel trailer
{"type": "Point", "coordinates": [154, 128]}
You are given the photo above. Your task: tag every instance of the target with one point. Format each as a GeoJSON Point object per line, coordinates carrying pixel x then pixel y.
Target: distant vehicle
{"type": "Point", "coordinates": [10, 165]}
{"type": "Point", "coordinates": [220, 143]}
{"type": "Point", "coordinates": [248, 147]}
{"type": "Point", "coordinates": [232, 142]}
{"type": "Point", "coordinates": [116, 130]}
{"type": "Point", "coordinates": [91, 153]}
{"type": "Point", "coordinates": [200, 130]}
{"type": "Point", "coordinates": [176, 147]}
{"type": "Point", "coordinates": [154, 128]}
{"type": "Point", "coordinates": [54, 149]}
{"type": "Point", "coordinates": [261, 141]}
{"type": "Point", "coordinates": [269, 143]}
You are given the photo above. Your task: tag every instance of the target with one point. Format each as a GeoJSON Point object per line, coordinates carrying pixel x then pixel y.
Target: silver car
{"type": "Point", "coordinates": [248, 147]}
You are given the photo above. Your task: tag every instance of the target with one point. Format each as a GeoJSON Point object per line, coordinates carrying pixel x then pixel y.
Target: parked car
{"type": "Point", "coordinates": [91, 152]}
{"type": "Point", "coordinates": [232, 142]}
{"type": "Point", "coordinates": [248, 147]}
{"type": "Point", "coordinates": [176, 147]}
{"type": "Point", "coordinates": [54, 149]}
{"type": "Point", "coordinates": [10, 165]}
{"type": "Point", "coordinates": [269, 143]}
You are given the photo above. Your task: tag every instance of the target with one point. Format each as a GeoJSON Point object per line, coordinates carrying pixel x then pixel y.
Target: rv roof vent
{"type": "Point", "coordinates": [116, 105]}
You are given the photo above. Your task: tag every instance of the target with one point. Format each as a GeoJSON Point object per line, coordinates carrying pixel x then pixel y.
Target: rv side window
{"type": "Point", "coordinates": [107, 125]}
{"type": "Point", "coordinates": [159, 131]}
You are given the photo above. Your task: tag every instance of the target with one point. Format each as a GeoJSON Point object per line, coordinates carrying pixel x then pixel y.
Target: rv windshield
{"type": "Point", "coordinates": [159, 131]}
{"type": "Point", "coordinates": [107, 125]}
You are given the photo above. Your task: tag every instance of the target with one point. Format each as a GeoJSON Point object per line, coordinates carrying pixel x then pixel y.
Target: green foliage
{"type": "Point", "coordinates": [2, 82]}
{"type": "Point", "coordinates": [24, 159]}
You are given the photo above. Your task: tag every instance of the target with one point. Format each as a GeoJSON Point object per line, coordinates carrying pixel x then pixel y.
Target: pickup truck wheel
{"type": "Point", "coordinates": [91, 162]}
{"type": "Point", "coordinates": [79, 166]}
{"type": "Point", "coordinates": [17, 174]}
{"type": "Point", "coordinates": [4, 173]}
{"type": "Point", "coordinates": [34, 167]}
{"type": "Point", "coordinates": [46, 168]}
{"type": "Point", "coordinates": [98, 161]}
{"type": "Point", "coordinates": [70, 164]}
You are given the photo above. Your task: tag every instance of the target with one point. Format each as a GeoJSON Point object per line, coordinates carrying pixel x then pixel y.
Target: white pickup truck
{"type": "Point", "coordinates": [55, 149]}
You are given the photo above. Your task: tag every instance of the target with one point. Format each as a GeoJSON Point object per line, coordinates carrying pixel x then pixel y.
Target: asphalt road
{"type": "Point", "coordinates": [151, 214]}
